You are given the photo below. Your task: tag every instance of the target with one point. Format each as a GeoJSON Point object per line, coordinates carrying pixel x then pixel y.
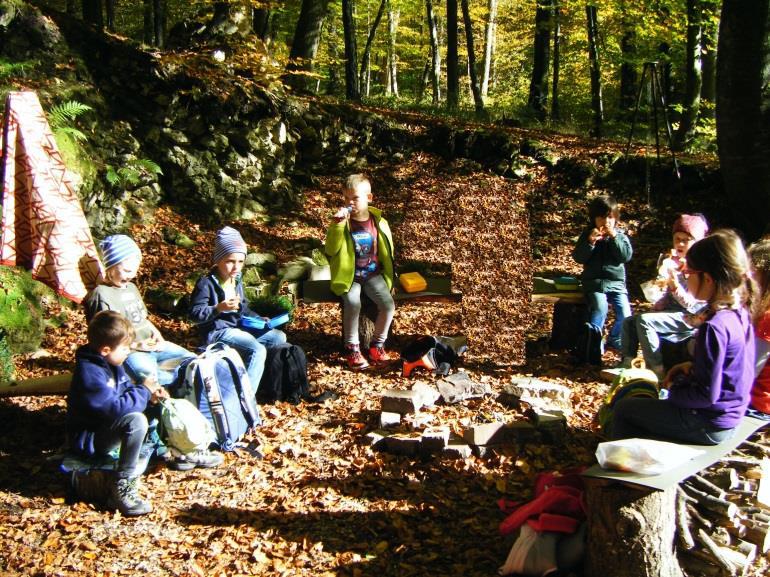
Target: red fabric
{"type": "Point", "coordinates": [44, 228]}
{"type": "Point", "coordinates": [558, 505]}
{"type": "Point", "coordinates": [760, 390]}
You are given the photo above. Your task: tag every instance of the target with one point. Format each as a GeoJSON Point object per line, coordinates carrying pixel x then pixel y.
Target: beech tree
{"type": "Point", "coordinates": [489, 43]}
{"type": "Point", "coordinates": [555, 111]}
{"type": "Point", "coordinates": [743, 111]}
{"type": "Point", "coordinates": [391, 68]}
{"type": "Point", "coordinates": [693, 77]}
{"type": "Point", "coordinates": [452, 58]}
{"type": "Point", "coordinates": [435, 74]}
{"type": "Point", "coordinates": [352, 89]}
{"type": "Point", "coordinates": [307, 36]}
{"type": "Point", "coordinates": [363, 77]}
{"type": "Point", "coordinates": [597, 103]}
{"type": "Point", "coordinates": [478, 100]}
{"type": "Point", "coordinates": [538, 86]}
{"type": "Point", "coordinates": [629, 75]}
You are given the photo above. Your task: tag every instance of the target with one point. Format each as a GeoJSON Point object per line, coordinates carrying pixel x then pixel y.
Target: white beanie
{"type": "Point", "coordinates": [117, 248]}
{"type": "Point", "coordinates": [228, 241]}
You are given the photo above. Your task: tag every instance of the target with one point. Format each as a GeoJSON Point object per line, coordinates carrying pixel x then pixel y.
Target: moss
{"type": "Point", "coordinates": [22, 320]}
{"type": "Point", "coordinates": [75, 158]}
{"type": "Point", "coordinates": [272, 306]}
{"type": "Point", "coordinates": [6, 362]}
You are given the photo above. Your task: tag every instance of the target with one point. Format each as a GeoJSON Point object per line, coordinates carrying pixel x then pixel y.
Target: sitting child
{"type": "Point", "coordinates": [151, 355]}
{"type": "Point", "coordinates": [707, 397]}
{"type": "Point", "coordinates": [673, 319]}
{"type": "Point", "coordinates": [105, 410]}
{"type": "Point", "coordinates": [603, 249]}
{"type": "Point", "coordinates": [760, 390]}
{"type": "Point", "coordinates": [218, 303]}
{"type": "Point", "coordinates": [359, 245]}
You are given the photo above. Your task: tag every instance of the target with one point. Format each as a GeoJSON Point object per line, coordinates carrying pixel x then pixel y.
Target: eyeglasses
{"type": "Point", "coordinates": [687, 271]}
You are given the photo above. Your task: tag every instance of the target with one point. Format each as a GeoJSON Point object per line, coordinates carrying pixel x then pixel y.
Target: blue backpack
{"type": "Point", "coordinates": [217, 383]}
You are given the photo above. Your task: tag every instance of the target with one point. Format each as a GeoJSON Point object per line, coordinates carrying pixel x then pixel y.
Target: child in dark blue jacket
{"type": "Point", "coordinates": [105, 409]}
{"type": "Point", "coordinates": [218, 304]}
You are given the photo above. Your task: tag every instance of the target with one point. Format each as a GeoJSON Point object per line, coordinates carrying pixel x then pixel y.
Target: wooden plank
{"type": "Point", "coordinates": [711, 454]}
{"type": "Point", "coordinates": [51, 385]}
{"type": "Point", "coordinates": [438, 290]}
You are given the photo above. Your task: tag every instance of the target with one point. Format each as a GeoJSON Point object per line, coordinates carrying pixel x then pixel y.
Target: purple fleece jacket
{"type": "Point", "coordinates": [717, 388]}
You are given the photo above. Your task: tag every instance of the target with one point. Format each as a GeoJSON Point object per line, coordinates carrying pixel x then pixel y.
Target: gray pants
{"type": "Point", "coordinates": [647, 330]}
{"type": "Point", "coordinates": [377, 290]}
{"type": "Point", "coordinates": [128, 433]}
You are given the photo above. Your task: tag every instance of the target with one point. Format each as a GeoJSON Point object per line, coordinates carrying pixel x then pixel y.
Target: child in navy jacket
{"type": "Point", "coordinates": [105, 409]}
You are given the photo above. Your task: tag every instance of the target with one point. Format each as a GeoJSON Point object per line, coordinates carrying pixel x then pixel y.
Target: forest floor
{"type": "Point", "coordinates": [321, 501]}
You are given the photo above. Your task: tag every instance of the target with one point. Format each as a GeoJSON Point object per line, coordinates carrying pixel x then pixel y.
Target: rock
{"type": "Point", "coordinates": [407, 444]}
{"type": "Point", "coordinates": [457, 450]}
{"type": "Point", "coordinates": [428, 395]}
{"type": "Point", "coordinates": [540, 394]}
{"type": "Point", "coordinates": [459, 387]}
{"type": "Point", "coordinates": [435, 439]}
{"type": "Point", "coordinates": [499, 433]}
{"type": "Point", "coordinates": [374, 438]}
{"type": "Point", "coordinates": [388, 419]}
{"type": "Point", "coordinates": [401, 402]}
{"type": "Point", "coordinates": [320, 273]}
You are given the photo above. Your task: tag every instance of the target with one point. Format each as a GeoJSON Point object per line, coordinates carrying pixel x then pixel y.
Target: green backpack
{"type": "Point", "coordinates": [634, 382]}
{"type": "Point", "coordinates": [186, 429]}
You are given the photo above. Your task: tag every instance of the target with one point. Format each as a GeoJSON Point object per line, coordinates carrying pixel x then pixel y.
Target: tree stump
{"type": "Point", "coordinates": [365, 321]}
{"type": "Point", "coordinates": [630, 531]}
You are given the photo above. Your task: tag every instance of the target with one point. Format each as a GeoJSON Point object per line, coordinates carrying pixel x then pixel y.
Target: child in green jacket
{"type": "Point", "coordinates": [359, 245]}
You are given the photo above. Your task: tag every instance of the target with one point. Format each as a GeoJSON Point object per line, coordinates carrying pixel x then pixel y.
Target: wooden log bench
{"type": "Point", "coordinates": [635, 521]}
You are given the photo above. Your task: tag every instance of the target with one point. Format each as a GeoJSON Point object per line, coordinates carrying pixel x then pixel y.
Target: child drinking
{"type": "Point", "coordinates": [603, 249]}
{"type": "Point", "coordinates": [707, 397]}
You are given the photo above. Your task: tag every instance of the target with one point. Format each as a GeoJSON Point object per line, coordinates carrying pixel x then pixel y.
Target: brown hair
{"type": "Point", "coordinates": [109, 329]}
{"type": "Point", "coordinates": [722, 256]}
{"type": "Point", "coordinates": [759, 252]}
{"type": "Point", "coordinates": [603, 205]}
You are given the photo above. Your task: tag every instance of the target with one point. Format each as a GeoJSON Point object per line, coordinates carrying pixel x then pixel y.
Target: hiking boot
{"type": "Point", "coordinates": [203, 459]}
{"type": "Point", "coordinates": [379, 356]}
{"type": "Point", "coordinates": [355, 360]}
{"type": "Point", "coordinates": [124, 496]}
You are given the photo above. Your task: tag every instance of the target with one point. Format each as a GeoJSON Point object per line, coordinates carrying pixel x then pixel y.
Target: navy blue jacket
{"type": "Point", "coordinates": [603, 263]}
{"type": "Point", "coordinates": [206, 295]}
{"type": "Point", "coordinates": [99, 395]}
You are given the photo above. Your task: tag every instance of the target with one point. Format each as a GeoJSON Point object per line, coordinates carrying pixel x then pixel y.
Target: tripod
{"type": "Point", "coordinates": [651, 79]}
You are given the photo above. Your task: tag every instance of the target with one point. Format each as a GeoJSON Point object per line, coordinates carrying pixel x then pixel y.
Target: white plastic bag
{"type": "Point", "coordinates": [643, 456]}
{"type": "Point", "coordinates": [652, 290]}
{"type": "Point", "coordinates": [187, 430]}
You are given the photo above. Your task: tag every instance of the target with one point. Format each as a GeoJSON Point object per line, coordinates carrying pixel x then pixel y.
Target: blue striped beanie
{"type": "Point", "coordinates": [228, 241]}
{"type": "Point", "coordinates": [117, 248]}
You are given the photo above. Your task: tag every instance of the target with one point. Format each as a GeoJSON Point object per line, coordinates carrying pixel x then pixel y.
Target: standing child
{"type": "Point", "coordinates": [603, 249]}
{"type": "Point", "coordinates": [105, 410]}
{"type": "Point", "coordinates": [675, 310]}
{"type": "Point", "coordinates": [151, 355]}
{"type": "Point", "coordinates": [760, 390]}
{"type": "Point", "coordinates": [359, 245]}
{"type": "Point", "coordinates": [707, 397]}
{"type": "Point", "coordinates": [218, 303]}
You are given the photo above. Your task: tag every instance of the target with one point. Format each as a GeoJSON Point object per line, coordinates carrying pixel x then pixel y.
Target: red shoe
{"type": "Point", "coordinates": [379, 356]}
{"type": "Point", "coordinates": [355, 360]}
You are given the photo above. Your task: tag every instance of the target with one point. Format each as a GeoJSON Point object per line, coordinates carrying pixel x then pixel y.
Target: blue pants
{"type": "Point", "coordinates": [128, 433]}
{"type": "Point", "coordinates": [656, 419]}
{"type": "Point", "coordinates": [251, 346]}
{"type": "Point", "coordinates": [598, 306]}
{"type": "Point", "coordinates": [647, 330]}
{"type": "Point", "coordinates": [162, 364]}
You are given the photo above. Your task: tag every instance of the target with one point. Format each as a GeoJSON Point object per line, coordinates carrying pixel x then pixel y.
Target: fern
{"type": "Point", "coordinates": [71, 131]}
{"type": "Point", "coordinates": [133, 173]}
{"type": "Point", "coordinates": [62, 115]}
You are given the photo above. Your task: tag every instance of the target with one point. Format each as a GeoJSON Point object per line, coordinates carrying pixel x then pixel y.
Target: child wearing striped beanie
{"type": "Point", "coordinates": [218, 304]}
{"type": "Point", "coordinates": [152, 357]}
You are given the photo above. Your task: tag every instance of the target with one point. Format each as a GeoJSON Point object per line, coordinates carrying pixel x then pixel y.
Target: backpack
{"type": "Point", "coordinates": [433, 353]}
{"type": "Point", "coordinates": [186, 429]}
{"type": "Point", "coordinates": [588, 348]}
{"type": "Point", "coordinates": [285, 375]}
{"type": "Point", "coordinates": [634, 382]}
{"type": "Point", "coordinates": [217, 383]}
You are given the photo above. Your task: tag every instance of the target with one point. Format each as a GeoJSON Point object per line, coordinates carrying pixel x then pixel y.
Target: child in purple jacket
{"type": "Point", "coordinates": [707, 397]}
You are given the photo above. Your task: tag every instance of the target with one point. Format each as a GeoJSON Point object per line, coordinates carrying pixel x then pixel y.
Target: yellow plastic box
{"type": "Point", "coordinates": [413, 282]}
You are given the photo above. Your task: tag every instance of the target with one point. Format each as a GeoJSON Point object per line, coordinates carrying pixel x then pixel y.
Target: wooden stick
{"type": "Point", "coordinates": [716, 552]}
{"type": "Point", "coordinates": [684, 535]}
{"type": "Point", "coordinates": [721, 506]}
{"type": "Point", "coordinates": [706, 486]}
{"type": "Point", "coordinates": [726, 479]}
{"type": "Point", "coordinates": [701, 520]}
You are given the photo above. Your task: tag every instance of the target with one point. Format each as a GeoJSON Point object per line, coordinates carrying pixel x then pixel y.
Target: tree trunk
{"type": "Point", "coordinates": [307, 37]}
{"type": "Point", "coordinates": [597, 105]}
{"type": "Point", "coordinates": [352, 88]}
{"type": "Point", "coordinates": [435, 75]}
{"type": "Point", "coordinates": [452, 63]}
{"type": "Point", "coordinates": [630, 532]}
{"type": "Point", "coordinates": [159, 20]}
{"type": "Point", "coordinates": [391, 87]}
{"type": "Point", "coordinates": [148, 25]}
{"type": "Point", "coordinates": [478, 100]}
{"type": "Point", "coordinates": [743, 112]}
{"type": "Point", "coordinates": [693, 76]}
{"type": "Point", "coordinates": [628, 72]}
{"type": "Point", "coordinates": [110, 8]}
{"type": "Point", "coordinates": [538, 86]}
{"type": "Point", "coordinates": [260, 23]}
{"type": "Point", "coordinates": [555, 112]}
{"type": "Point", "coordinates": [664, 57]}
{"type": "Point", "coordinates": [710, 28]}
{"type": "Point", "coordinates": [334, 85]}
{"type": "Point", "coordinates": [92, 13]}
{"type": "Point", "coordinates": [489, 42]}
{"type": "Point", "coordinates": [71, 7]}
{"type": "Point", "coordinates": [366, 56]}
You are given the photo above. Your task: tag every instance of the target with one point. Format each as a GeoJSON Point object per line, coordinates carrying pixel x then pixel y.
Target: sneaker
{"type": "Point", "coordinates": [379, 356]}
{"type": "Point", "coordinates": [203, 459]}
{"type": "Point", "coordinates": [124, 496]}
{"type": "Point", "coordinates": [355, 359]}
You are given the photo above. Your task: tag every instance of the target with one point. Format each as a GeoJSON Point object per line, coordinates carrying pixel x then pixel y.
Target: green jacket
{"type": "Point", "coordinates": [603, 263]}
{"type": "Point", "coordinates": [342, 254]}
